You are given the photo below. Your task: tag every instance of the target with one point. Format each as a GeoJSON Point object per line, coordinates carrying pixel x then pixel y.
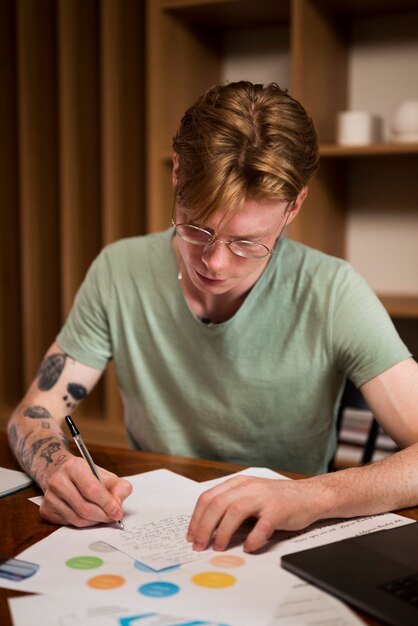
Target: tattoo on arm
{"type": "Point", "coordinates": [75, 393]}
{"type": "Point", "coordinates": [30, 453]}
{"type": "Point", "coordinates": [47, 452]}
{"type": "Point", "coordinates": [60, 460]}
{"type": "Point", "coordinates": [13, 437]}
{"type": "Point", "coordinates": [37, 413]}
{"type": "Point", "coordinates": [50, 370]}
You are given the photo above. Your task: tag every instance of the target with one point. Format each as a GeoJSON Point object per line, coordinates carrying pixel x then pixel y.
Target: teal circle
{"type": "Point", "coordinates": [159, 589]}
{"type": "Point", "coordinates": [84, 562]}
{"type": "Point", "coordinates": [145, 568]}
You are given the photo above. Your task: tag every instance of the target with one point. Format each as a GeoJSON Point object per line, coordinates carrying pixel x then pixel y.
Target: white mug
{"type": "Point", "coordinates": [357, 128]}
{"type": "Point", "coordinates": [404, 121]}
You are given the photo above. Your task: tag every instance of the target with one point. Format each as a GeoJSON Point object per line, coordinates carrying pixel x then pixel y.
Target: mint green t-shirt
{"type": "Point", "coordinates": [260, 389]}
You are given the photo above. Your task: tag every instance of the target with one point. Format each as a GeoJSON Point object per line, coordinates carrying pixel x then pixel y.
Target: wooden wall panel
{"type": "Point", "coordinates": [122, 77]}
{"type": "Point", "coordinates": [71, 174]}
{"type": "Point", "coordinates": [38, 171]}
{"type": "Point", "coordinates": [80, 141]}
{"type": "Point", "coordinates": [10, 298]}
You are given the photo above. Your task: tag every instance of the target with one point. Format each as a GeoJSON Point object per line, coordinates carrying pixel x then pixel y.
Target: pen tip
{"type": "Point", "coordinates": [121, 525]}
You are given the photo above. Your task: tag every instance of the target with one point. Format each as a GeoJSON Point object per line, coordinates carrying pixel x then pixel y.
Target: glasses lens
{"type": "Point", "coordinates": [249, 249]}
{"type": "Point", "coordinates": [193, 234]}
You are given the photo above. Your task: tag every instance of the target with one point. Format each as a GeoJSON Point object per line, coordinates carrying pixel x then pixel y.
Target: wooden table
{"type": "Point", "coordinates": [21, 525]}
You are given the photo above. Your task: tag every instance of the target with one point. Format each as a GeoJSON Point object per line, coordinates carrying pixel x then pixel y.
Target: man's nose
{"type": "Point", "coordinates": [216, 255]}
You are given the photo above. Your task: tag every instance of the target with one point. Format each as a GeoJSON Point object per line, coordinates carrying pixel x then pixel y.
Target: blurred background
{"type": "Point", "coordinates": [91, 92]}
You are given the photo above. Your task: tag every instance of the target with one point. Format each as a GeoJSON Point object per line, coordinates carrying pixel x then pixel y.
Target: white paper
{"type": "Point", "coordinates": [221, 588]}
{"type": "Point", "coordinates": [156, 533]}
{"type": "Point", "coordinates": [55, 613]}
{"type": "Point", "coordinates": [306, 605]}
{"type": "Point", "coordinates": [12, 480]}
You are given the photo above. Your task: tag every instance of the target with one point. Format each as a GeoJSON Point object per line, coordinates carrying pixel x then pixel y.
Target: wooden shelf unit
{"type": "Point", "coordinates": [185, 56]}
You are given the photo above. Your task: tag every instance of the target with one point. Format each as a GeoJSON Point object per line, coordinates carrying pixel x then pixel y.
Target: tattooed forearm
{"type": "Point", "coordinates": [50, 371]}
{"type": "Point", "coordinates": [37, 413]}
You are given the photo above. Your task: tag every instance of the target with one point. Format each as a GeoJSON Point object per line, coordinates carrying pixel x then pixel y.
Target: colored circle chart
{"type": "Point", "coordinates": [159, 589]}
{"type": "Point", "coordinates": [214, 580]}
{"type": "Point", "coordinates": [106, 582]}
{"type": "Point", "coordinates": [84, 562]}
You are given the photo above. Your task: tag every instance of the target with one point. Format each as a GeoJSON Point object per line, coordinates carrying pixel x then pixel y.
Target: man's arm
{"type": "Point", "coordinates": [383, 486]}
{"type": "Point", "coordinates": [72, 493]}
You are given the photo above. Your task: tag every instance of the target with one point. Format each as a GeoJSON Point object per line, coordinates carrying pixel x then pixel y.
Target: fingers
{"type": "Point", "coordinates": [260, 534]}
{"type": "Point", "coordinates": [75, 496]}
{"type": "Point", "coordinates": [221, 509]}
{"type": "Point", "coordinates": [206, 497]}
{"type": "Point", "coordinates": [118, 487]}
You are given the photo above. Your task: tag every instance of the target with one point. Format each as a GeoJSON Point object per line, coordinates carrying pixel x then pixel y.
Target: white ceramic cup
{"type": "Point", "coordinates": [404, 121]}
{"type": "Point", "coordinates": [357, 128]}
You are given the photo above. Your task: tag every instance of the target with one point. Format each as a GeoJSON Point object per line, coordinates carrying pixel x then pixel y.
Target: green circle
{"type": "Point", "coordinates": [84, 562]}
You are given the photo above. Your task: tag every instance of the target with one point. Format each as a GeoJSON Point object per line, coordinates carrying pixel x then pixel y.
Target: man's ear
{"type": "Point", "coordinates": [175, 170]}
{"type": "Point", "coordinates": [297, 204]}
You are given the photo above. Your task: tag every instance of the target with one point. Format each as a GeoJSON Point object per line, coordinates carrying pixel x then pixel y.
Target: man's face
{"type": "Point", "coordinates": [214, 268]}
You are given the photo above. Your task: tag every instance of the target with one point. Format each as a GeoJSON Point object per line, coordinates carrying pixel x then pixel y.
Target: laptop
{"type": "Point", "coordinates": [376, 573]}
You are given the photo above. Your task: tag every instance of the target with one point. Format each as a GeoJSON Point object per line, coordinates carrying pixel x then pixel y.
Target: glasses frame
{"type": "Point", "coordinates": [213, 238]}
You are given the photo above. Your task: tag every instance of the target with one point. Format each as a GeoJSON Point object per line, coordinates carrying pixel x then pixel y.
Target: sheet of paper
{"type": "Point", "coordinates": [156, 535]}
{"type": "Point", "coordinates": [55, 613]}
{"type": "Point", "coordinates": [221, 588]}
{"type": "Point", "coordinates": [12, 480]}
{"type": "Point", "coordinates": [304, 605]}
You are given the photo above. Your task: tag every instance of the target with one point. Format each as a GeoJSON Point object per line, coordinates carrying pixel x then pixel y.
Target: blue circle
{"type": "Point", "coordinates": [158, 589]}
{"type": "Point", "coordinates": [144, 568]}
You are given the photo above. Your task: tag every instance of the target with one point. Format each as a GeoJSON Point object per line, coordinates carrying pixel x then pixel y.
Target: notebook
{"type": "Point", "coordinates": [376, 572]}
{"type": "Point", "coordinates": [12, 480]}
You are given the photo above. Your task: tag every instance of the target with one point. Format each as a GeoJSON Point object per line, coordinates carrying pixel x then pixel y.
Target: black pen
{"type": "Point", "coordinates": [85, 453]}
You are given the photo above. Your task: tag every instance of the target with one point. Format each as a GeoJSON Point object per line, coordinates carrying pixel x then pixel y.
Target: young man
{"type": "Point", "coordinates": [229, 341]}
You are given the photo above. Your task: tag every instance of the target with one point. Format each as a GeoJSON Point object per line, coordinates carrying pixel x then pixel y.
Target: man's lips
{"type": "Point", "coordinates": [208, 280]}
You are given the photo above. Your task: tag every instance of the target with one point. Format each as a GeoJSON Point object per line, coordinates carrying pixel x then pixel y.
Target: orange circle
{"type": "Point", "coordinates": [214, 580]}
{"type": "Point", "coordinates": [106, 581]}
{"type": "Point", "coordinates": [227, 560]}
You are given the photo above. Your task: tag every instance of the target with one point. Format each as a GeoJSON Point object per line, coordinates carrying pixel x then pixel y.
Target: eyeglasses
{"type": "Point", "coordinates": [202, 237]}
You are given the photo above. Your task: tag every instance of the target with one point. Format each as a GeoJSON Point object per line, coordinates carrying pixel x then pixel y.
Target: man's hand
{"type": "Point", "coordinates": [75, 497]}
{"type": "Point", "coordinates": [278, 504]}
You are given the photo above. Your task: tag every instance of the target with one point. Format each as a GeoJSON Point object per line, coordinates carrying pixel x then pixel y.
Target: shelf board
{"type": "Point", "coordinates": [230, 14]}
{"type": "Point", "coordinates": [367, 8]}
{"type": "Point", "coordinates": [375, 149]}
{"type": "Point", "coordinates": [400, 306]}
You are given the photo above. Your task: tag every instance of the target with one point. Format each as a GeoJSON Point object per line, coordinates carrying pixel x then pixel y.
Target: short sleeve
{"type": "Point", "coordinates": [85, 335]}
{"type": "Point", "coordinates": [363, 336]}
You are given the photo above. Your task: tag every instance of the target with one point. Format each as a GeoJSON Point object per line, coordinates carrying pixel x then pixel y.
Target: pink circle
{"type": "Point", "coordinates": [227, 560]}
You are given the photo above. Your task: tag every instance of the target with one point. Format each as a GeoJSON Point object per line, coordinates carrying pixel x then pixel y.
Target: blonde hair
{"type": "Point", "coordinates": [243, 141]}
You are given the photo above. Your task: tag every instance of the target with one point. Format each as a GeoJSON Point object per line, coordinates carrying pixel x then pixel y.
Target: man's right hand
{"type": "Point", "coordinates": [75, 497]}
